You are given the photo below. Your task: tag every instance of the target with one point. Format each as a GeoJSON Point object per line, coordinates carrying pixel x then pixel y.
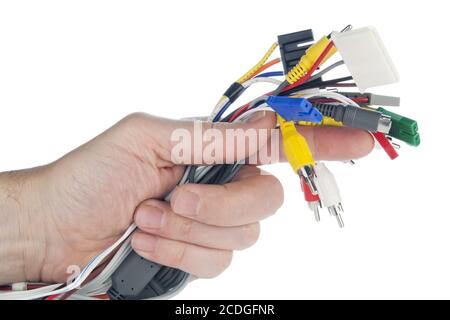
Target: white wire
{"type": "Point", "coordinates": [246, 115]}
{"type": "Point", "coordinates": [222, 102]}
{"type": "Point", "coordinates": [250, 82]}
{"type": "Point", "coordinates": [81, 297]}
{"type": "Point", "coordinates": [93, 287]}
{"type": "Point", "coordinates": [40, 293]}
{"type": "Point", "coordinates": [15, 295]}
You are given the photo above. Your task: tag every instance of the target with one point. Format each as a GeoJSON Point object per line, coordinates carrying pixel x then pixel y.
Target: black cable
{"type": "Point", "coordinates": [209, 175]}
{"type": "Point", "coordinates": [280, 88]}
{"type": "Point", "coordinates": [191, 174]}
{"type": "Point", "coordinates": [316, 84]}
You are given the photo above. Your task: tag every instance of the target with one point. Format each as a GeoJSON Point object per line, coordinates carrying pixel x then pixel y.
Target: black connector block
{"type": "Point", "coordinates": [137, 279]}
{"type": "Point", "coordinates": [293, 46]}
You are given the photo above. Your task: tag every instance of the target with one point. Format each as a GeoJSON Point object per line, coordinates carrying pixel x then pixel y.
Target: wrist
{"type": "Point", "coordinates": [22, 227]}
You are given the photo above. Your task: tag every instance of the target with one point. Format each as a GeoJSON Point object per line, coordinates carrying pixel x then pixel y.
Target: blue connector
{"type": "Point", "coordinates": [295, 109]}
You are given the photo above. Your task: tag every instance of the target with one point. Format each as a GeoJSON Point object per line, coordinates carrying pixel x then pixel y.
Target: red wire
{"type": "Point", "coordinates": [357, 100]}
{"type": "Point", "coordinates": [386, 145]}
{"type": "Point", "coordinates": [35, 286]}
{"type": "Point", "coordinates": [242, 109]}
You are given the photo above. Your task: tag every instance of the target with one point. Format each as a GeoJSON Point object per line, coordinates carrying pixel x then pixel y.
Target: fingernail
{"type": "Point", "coordinates": [144, 242]}
{"type": "Point", "coordinates": [257, 116]}
{"type": "Point", "coordinates": [149, 217]}
{"type": "Point", "coordinates": [186, 203]}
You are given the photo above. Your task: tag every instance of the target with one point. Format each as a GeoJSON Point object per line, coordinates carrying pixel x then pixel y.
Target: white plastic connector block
{"type": "Point", "coordinates": [366, 58]}
{"type": "Point", "coordinates": [19, 286]}
{"type": "Point", "coordinates": [327, 186]}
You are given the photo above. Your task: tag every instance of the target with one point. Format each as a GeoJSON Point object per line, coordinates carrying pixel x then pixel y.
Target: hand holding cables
{"type": "Point", "coordinates": [112, 182]}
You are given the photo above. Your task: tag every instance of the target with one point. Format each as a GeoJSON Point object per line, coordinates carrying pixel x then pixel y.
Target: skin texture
{"type": "Point", "coordinates": [66, 212]}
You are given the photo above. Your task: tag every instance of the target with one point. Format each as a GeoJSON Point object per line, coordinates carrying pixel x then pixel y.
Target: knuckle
{"type": "Point", "coordinates": [134, 118]}
{"type": "Point", "coordinates": [178, 259]}
{"type": "Point", "coordinates": [186, 227]}
{"type": "Point", "coordinates": [131, 127]}
{"type": "Point", "coordinates": [178, 193]}
{"type": "Point", "coordinates": [142, 248]}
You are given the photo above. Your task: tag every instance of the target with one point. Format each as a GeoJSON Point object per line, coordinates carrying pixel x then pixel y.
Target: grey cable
{"type": "Point", "coordinates": [324, 71]}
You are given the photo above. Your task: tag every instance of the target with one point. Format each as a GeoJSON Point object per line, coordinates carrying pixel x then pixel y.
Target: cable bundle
{"type": "Point", "coordinates": [303, 98]}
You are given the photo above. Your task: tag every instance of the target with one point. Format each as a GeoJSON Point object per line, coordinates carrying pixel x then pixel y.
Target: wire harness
{"type": "Point", "coordinates": [302, 98]}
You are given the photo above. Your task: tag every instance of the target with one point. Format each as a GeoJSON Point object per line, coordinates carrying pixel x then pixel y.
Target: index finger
{"type": "Point", "coordinates": [325, 143]}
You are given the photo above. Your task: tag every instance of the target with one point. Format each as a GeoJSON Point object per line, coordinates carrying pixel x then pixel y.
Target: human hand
{"type": "Point", "coordinates": [65, 213]}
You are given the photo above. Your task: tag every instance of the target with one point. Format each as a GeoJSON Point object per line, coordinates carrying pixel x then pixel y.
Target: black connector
{"type": "Point", "coordinates": [293, 46]}
{"type": "Point", "coordinates": [355, 117]}
{"type": "Point", "coordinates": [137, 279]}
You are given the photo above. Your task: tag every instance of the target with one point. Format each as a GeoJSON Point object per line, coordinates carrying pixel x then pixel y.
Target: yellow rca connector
{"type": "Point", "coordinates": [307, 61]}
{"type": "Point", "coordinates": [295, 146]}
{"type": "Point", "coordinates": [326, 122]}
{"type": "Point", "coordinates": [298, 153]}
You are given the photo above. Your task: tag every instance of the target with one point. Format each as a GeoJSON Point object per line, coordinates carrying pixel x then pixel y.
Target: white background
{"type": "Point", "coordinates": [70, 69]}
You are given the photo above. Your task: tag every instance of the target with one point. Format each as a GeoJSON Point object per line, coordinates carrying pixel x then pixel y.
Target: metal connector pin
{"type": "Point", "coordinates": [384, 124]}
{"type": "Point", "coordinates": [307, 172]}
{"type": "Point", "coordinates": [347, 28]}
{"type": "Point", "coordinates": [314, 207]}
{"type": "Point", "coordinates": [395, 145]}
{"type": "Point", "coordinates": [350, 162]}
{"type": "Point", "coordinates": [336, 211]}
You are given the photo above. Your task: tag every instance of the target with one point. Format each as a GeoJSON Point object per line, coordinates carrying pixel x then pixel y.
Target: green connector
{"type": "Point", "coordinates": [403, 128]}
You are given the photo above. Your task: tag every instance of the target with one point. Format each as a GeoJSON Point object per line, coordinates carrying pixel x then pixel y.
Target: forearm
{"type": "Point", "coordinates": [22, 245]}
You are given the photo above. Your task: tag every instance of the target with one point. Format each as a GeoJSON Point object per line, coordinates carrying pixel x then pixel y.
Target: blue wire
{"type": "Point", "coordinates": [271, 74]}
{"type": "Point", "coordinates": [222, 111]}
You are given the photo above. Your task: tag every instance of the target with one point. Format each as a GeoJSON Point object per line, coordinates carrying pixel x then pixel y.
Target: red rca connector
{"type": "Point", "coordinates": [313, 200]}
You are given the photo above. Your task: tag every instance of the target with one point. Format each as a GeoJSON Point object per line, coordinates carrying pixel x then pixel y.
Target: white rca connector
{"type": "Point", "coordinates": [328, 191]}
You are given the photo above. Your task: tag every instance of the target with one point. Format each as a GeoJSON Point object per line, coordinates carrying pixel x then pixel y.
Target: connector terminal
{"type": "Point", "coordinates": [294, 109]}
{"type": "Point", "coordinates": [293, 46]}
{"type": "Point", "coordinates": [403, 128]}
{"type": "Point", "coordinates": [366, 57]}
{"type": "Point", "coordinates": [374, 99]}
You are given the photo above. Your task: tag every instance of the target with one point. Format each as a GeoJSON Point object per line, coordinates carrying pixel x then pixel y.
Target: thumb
{"type": "Point", "coordinates": [204, 143]}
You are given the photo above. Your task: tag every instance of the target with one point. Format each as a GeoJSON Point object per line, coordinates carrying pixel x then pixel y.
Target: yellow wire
{"type": "Point", "coordinates": [252, 71]}
{"type": "Point", "coordinates": [326, 122]}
